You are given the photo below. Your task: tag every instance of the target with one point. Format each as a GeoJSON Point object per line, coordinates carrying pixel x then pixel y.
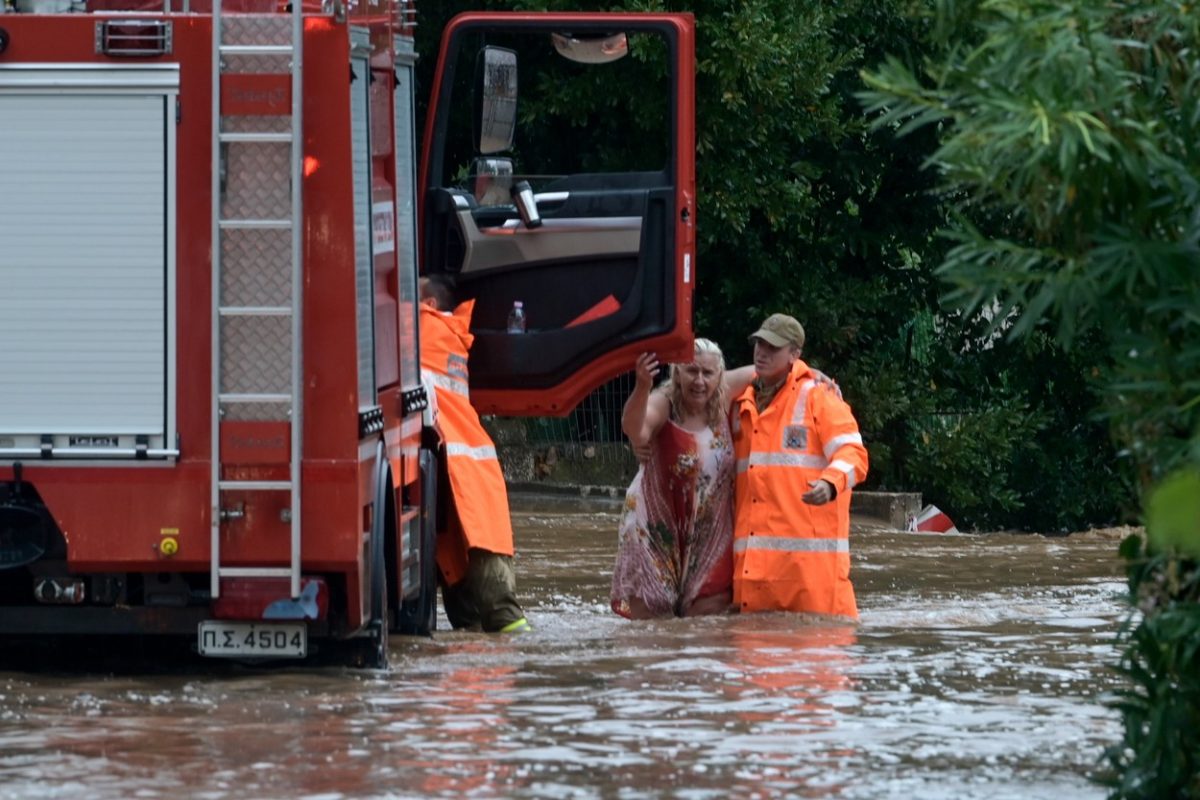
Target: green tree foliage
{"type": "Point", "coordinates": [1068, 146]}
{"type": "Point", "coordinates": [1159, 753]}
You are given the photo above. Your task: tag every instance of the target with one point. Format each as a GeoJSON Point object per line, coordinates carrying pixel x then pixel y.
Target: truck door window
{"type": "Point", "coordinates": [570, 118]}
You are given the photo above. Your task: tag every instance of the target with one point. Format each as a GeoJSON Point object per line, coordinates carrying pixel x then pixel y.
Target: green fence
{"type": "Point", "coordinates": [584, 447]}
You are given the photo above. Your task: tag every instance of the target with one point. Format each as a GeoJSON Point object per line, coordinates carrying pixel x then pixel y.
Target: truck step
{"type": "Point", "coordinates": [255, 572]}
{"type": "Point", "coordinates": [256, 224]}
{"type": "Point", "coordinates": [256, 49]}
{"type": "Point", "coordinates": [249, 486]}
{"type": "Point", "coordinates": [254, 397]}
{"type": "Point", "coordinates": [255, 311]}
{"type": "Point", "coordinates": [256, 138]}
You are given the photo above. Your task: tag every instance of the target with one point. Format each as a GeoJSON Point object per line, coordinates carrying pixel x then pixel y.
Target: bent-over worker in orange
{"type": "Point", "coordinates": [475, 536]}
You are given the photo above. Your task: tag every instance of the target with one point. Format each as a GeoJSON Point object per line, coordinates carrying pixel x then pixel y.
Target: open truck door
{"type": "Point", "coordinates": [558, 171]}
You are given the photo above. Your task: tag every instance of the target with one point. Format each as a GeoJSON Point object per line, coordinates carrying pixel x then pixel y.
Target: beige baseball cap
{"type": "Point", "coordinates": [779, 330]}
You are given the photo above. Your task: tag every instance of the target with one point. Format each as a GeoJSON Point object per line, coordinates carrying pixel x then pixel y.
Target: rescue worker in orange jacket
{"type": "Point", "coordinates": [475, 536]}
{"type": "Point", "coordinates": [799, 453]}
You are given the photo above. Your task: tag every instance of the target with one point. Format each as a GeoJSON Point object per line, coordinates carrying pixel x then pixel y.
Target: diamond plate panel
{"type": "Point", "coordinates": [257, 181]}
{"type": "Point", "coordinates": [256, 264]}
{"type": "Point", "coordinates": [256, 355]}
{"type": "Point", "coordinates": [256, 268]}
{"type": "Point", "coordinates": [256, 29]}
{"type": "Point", "coordinates": [271, 64]}
{"type": "Point", "coordinates": [251, 124]}
{"type": "Point", "coordinates": [256, 412]}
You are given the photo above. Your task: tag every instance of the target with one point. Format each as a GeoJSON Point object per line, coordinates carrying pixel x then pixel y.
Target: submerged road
{"type": "Point", "coordinates": [979, 670]}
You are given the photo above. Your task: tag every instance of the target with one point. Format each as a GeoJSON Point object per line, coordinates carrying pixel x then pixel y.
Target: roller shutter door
{"type": "Point", "coordinates": [87, 261]}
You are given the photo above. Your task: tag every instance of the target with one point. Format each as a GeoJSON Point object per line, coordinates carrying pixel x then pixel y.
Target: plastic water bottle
{"type": "Point", "coordinates": [516, 318]}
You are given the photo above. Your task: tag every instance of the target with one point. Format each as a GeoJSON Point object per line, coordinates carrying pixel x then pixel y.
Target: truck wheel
{"type": "Point", "coordinates": [418, 617]}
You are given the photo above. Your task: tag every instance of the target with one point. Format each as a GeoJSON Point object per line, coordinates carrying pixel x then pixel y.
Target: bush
{"type": "Point", "coordinates": [1159, 754]}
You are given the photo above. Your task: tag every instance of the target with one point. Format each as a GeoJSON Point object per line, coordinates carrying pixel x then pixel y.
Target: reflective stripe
{"type": "Point", "coordinates": [520, 626]}
{"type": "Point", "coordinates": [456, 367]}
{"type": "Point", "coordinates": [836, 442]}
{"type": "Point", "coordinates": [790, 544]}
{"type": "Point", "coordinates": [449, 384]}
{"type": "Point", "coordinates": [802, 402]}
{"type": "Point", "coordinates": [848, 468]}
{"type": "Point", "coordinates": [482, 453]}
{"type": "Point", "coordinates": [803, 460]}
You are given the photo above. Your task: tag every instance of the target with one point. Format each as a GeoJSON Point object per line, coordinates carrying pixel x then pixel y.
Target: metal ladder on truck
{"type": "Point", "coordinates": [257, 268]}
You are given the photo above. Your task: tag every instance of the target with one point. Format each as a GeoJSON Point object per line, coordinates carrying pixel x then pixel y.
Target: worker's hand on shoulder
{"type": "Point", "coordinates": [824, 380]}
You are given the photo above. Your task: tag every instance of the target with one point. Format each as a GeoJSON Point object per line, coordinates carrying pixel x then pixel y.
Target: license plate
{"type": "Point", "coordinates": [253, 639]}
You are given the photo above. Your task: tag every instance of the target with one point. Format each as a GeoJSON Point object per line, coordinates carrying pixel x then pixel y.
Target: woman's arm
{"type": "Point", "coordinates": [736, 380]}
{"type": "Point", "coordinates": [645, 410]}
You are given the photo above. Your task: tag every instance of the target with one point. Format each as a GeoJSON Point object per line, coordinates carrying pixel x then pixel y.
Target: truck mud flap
{"type": "Point", "coordinates": [418, 616]}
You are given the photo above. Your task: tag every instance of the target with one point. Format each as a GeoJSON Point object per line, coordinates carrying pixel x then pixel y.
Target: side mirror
{"type": "Point", "coordinates": [493, 181]}
{"type": "Point", "coordinates": [496, 91]}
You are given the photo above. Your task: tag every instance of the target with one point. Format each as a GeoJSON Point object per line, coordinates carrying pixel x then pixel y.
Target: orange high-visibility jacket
{"type": "Point", "coordinates": [788, 555]}
{"type": "Point", "coordinates": [476, 481]}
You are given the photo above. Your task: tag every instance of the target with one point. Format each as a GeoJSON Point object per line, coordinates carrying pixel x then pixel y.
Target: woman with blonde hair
{"type": "Point", "coordinates": [675, 550]}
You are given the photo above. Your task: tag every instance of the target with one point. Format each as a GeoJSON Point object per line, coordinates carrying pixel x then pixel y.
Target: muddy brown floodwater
{"type": "Point", "coordinates": [979, 670]}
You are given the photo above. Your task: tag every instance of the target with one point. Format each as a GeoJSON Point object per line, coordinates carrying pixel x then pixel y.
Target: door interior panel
{"type": "Point", "coordinates": [556, 293]}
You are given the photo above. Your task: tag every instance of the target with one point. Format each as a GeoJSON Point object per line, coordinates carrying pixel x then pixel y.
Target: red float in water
{"type": "Point", "coordinates": [931, 520]}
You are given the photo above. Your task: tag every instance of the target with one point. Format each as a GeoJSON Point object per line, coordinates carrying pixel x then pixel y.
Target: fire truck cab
{"type": "Point", "coordinates": [212, 223]}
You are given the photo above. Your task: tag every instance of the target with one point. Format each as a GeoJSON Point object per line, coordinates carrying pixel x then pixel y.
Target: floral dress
{"type": "Point", "coordinates": [676, 534]}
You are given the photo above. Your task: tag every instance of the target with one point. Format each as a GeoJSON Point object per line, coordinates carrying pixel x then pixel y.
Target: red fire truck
{"type": "Point", "coordinates": [212, 422]}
